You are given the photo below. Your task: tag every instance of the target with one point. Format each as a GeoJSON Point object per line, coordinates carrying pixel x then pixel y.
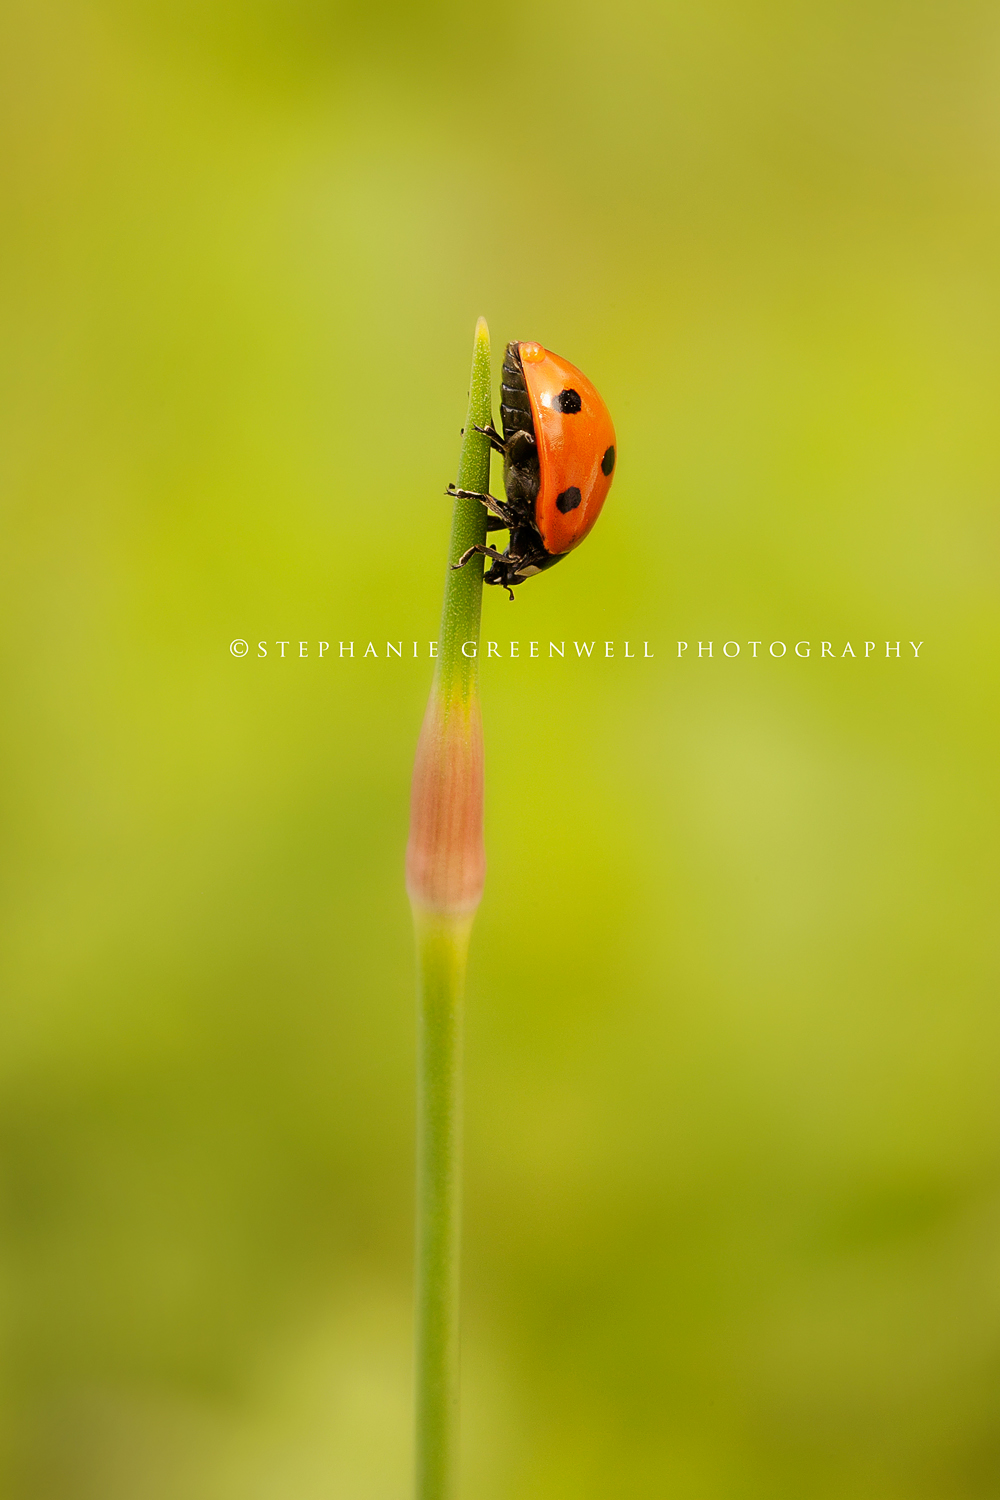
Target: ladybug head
{"type": "Point", "coordinates": [511, 570]}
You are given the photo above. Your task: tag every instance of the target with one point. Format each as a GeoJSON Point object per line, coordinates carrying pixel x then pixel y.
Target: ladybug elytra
{"type": "Point", "coordinates": [558, 449]}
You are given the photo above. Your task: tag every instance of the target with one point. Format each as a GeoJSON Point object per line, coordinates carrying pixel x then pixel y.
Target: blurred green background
{"type": "Point", "coordinates": [733, 1124]}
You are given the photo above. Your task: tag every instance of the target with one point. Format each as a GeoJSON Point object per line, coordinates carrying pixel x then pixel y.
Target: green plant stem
{"type": "Point", "coordinates": [463, 587]}
{"type": "Point", "coordinates": [442, 944]}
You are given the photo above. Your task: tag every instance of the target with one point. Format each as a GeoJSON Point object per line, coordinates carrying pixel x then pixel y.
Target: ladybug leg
{"type": "Point", "coordinates": [496, 441]}
{"type": "Point", "coordinates": [496, 523]}
{"type": "Point", "coordinates": [480, 547]}
{"type": "Point", "coordinates": [498, 507]}
{"type": "Point", "coordinates": [454, 493]}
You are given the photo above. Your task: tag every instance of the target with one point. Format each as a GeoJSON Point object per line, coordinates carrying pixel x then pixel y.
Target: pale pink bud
{"type": "Point", "coordinates": [445, 858]}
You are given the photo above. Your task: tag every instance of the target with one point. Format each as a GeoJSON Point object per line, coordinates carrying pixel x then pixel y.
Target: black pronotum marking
{"type": "Point", "coordinates": [569, 499]}
{"type": "Point", "coordinates": [608, 461]}
{"type": "Point", "coordinates": [568, 401]}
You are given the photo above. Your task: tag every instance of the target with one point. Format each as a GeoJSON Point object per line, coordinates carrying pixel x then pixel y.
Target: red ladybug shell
{"type": "Point", "coordinates": [576, 447]}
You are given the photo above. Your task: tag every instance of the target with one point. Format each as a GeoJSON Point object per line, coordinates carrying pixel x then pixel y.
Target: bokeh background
{"type": "Point", "coordinates": [733, 1154]}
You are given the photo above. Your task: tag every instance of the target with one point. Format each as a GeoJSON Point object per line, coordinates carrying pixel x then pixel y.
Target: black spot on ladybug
{"type": "Point", "coordinates": [568, 401]}
{"type": "Point", "coordinates": [608, 461]}
{"type": "Point", "coordinates": [569, 499]}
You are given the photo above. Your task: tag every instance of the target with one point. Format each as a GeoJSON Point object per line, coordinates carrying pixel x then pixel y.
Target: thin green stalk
{"type": "Point", "coordinates": [463, 587]}
{"type": "Point", "coordinates": [445, 869]}
{"type": "Point", "coordinates": [441, 948]}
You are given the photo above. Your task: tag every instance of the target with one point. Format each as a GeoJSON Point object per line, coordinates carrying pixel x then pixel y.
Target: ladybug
{"type": "Point", "coordinates": [558, 449]}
